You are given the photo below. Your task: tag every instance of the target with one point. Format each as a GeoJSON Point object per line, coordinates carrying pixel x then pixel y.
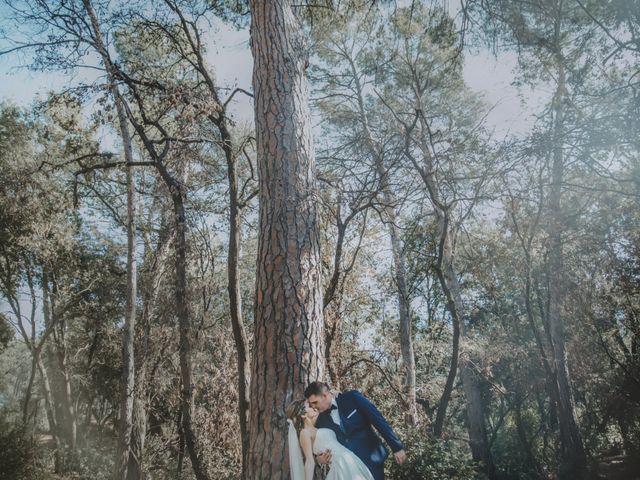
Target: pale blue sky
{"type": "Point", "coordinates": [231, 59]}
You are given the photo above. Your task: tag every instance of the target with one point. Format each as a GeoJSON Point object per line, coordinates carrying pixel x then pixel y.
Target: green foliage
{"type": "Point", "coordinates": [15, 364]}
{"type": "Point", "coordinates": [92, 462]}
{"type": "Point", "coordinates": [20, 456]}
{"type": "Point", "coordinates": [6, 332]}
{"type": "Point", "coordinates": [433, 459]}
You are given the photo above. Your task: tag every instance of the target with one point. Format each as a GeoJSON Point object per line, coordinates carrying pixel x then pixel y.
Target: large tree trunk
{"type": "Point", "coordinates": [125, 460]}
{"type": "Point", "coordinates": [288, 310]}
{"type": "Point", "coordinates": [572, 449]}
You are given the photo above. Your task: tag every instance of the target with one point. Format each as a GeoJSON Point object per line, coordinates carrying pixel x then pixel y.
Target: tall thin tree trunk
{"type": "Point", "coordinates": [438, 425]}
{"type": "Point", "coordinates": [288, 320]}
{"type": "Point", "coordinates": [521, 428]}
{"type": "Point", "coordinates": [331, 312]}
{"type": "Point", "coordinates": [66, 398]}
{"type": "Point", "coordinates": [181, 446]}
{"type": "Point", "coordinates": [34, 346]}
{"type": "Point", "coordinates": [478, 439]}
{"type": "Point", "coordinates": [32, 376]}
{"type": "Point", "coordinates": [48, 394]}
{"type": "Point", "coordinates": [448, 278]}
{"type": "Point", "coordinates": [572, 449]}
{"type": "Point", "coordinates": [184, 319]}
{"type": "Point", "coordinates": [150, 292]}
{"type": "Point", "coordinates": [404, 307]}
{"type": "Point", "coordinates": [125, 456]}
{"type": "Point", "coordinates": [399, 260]}
{"type": "Point", "coordinates": [51, 416]}
{"type": "Point", "coordinates": [131, 467]}
{"type": "Point", "coordinates": [67, 395]}
{"type": "Point", "coordinates": [235, 304]}
{"type": "Point", "coordinates": [220, 120]}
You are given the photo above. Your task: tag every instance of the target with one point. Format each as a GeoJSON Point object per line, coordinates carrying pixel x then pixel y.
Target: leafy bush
{"type": "Point", "coordinates": [89, 463]}
{"type": "Point", "coordinates": [432, 459]}
{"type": "Point", "coordinates": [19, 454]}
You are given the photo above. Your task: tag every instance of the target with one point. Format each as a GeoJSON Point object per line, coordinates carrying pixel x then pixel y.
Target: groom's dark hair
{"type": "Point", "coordinates": [316, 388]}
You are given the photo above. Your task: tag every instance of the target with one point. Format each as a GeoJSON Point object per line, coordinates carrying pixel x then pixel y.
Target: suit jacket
{"type": "Point", "coordinates": [359, 417]}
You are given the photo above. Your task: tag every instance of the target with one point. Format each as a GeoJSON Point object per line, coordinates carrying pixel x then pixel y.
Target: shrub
{"type": "Point", "coordinates": [432, 459]}
{"type": "Point", "coordinates": [19, 454]}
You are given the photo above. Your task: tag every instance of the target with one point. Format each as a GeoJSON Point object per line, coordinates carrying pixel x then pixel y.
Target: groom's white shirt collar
{"type": "Point", "coordinates": [335, 415]}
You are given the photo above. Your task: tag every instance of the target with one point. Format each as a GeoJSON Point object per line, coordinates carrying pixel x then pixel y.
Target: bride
{"type": "Point", "coordinates": [345, 465]}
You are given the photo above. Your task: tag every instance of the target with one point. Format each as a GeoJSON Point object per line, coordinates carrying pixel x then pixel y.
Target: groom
{"type": "Point", "coordinates": [351, 416]}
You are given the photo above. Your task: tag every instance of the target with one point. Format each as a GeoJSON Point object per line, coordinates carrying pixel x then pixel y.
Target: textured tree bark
{"type": "Point", "coordinates": [288, 329]}
{"type": "Point", "coordinates": [126, 459]}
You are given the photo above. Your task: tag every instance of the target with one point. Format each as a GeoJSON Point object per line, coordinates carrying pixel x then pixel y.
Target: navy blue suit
{"type": "Point", "coordinates": [358, 416]}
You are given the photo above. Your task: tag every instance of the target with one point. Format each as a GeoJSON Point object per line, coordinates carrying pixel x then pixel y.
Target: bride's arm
{"type": "Point", "coordinates": [307, 449]}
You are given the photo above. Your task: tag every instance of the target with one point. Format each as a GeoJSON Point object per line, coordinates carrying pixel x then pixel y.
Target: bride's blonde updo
{"type": "Point", "coordinates": [294, 411]}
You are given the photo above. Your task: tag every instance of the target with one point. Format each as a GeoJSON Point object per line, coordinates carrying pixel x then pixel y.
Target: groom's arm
{"type": "Point", "coordinates": [378, 421]}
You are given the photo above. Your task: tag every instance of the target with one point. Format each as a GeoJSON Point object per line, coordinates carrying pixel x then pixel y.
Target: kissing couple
{"type": "Point", "coordinates": [337, 429]}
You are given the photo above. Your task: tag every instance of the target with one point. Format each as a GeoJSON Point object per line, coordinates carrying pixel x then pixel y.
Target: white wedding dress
{"type": "Point", "coordinates": [345, 465]}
